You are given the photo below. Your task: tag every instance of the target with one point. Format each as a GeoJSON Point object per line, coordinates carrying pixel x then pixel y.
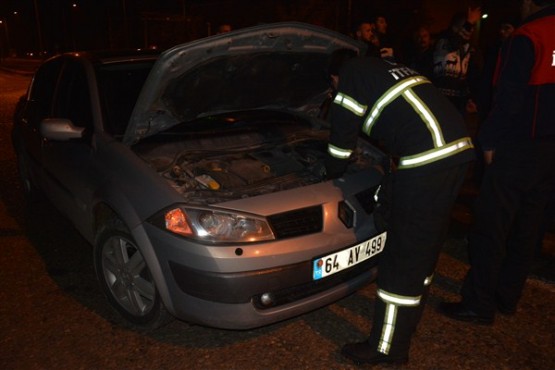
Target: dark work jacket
{"type": "Point", "coordinates": [401, 109]}
{"type": "Point", "coordinates": [524, 101]}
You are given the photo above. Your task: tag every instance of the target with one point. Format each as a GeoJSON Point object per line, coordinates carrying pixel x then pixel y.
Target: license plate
{"type": "Point", "coordinates": [342, 260]}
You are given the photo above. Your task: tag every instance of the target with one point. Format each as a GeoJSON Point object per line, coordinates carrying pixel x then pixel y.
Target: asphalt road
{"type": "Point", "coordinates": [53, 316]}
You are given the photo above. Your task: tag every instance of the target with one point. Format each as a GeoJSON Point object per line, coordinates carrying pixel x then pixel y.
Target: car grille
{"type": "Point", "coordinates": [299, 222]}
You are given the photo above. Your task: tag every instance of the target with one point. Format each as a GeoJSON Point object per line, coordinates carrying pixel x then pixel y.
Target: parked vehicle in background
{"type": "Point", "coordinates": [198, 176]}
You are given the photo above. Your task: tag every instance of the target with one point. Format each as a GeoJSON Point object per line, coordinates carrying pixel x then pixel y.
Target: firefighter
{"type": "Point", "coordinates": [427, 140]}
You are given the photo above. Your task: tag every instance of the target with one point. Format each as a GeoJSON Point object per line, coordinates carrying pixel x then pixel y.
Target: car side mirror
{"type": "Point", "coordinates": [60, 129]}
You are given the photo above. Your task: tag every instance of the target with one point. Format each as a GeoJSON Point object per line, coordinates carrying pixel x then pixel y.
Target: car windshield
{"type": "Point", "coordinates": [119, 87]}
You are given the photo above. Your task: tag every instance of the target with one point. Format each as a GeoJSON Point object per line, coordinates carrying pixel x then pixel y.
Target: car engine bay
{"type": "Point", "coordinates": [247, 160]}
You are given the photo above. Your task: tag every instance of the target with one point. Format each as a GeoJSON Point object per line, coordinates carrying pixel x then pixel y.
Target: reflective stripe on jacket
{"type": "Point", "coordinates": [402, 109]}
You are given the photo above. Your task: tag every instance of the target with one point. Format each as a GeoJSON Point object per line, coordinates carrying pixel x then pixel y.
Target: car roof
{"type": "Point", "coordinates": [111, 56]}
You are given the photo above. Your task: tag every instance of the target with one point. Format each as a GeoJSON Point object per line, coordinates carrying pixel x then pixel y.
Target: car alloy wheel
{"type": "Point", "coordinates": [126, 278]}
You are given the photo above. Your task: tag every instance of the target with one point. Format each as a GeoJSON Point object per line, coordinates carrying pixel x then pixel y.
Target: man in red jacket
{"type": "Point", "coordinates": [518, 139]}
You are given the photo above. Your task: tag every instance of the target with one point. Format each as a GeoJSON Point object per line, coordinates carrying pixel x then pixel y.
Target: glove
{"type": "Point", "coordinates": [335, 167]}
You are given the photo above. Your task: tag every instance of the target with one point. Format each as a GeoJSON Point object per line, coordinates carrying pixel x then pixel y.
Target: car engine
{"type": "Point", "coordinates": [207, 169]}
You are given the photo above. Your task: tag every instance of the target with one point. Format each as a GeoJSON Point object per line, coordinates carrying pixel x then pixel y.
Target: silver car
{"type": "Point", "coordinates": [198, 176]}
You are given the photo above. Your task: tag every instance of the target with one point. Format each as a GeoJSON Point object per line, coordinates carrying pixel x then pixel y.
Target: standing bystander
{"type": "Point", "coordinates": [381, 37]}
{"type": "Point", "coordinates": [225, 28]}
{"type": "Point", "coordinates": [453, 61]}
{"type": "Point", "coordinates": [420, 54]}
{"type": "Point", "coordinates": [380, 31]}
{"type": "Point", "coordinates": [484, 90]}
{"type": "Point", "coordinates": [484, 93]}
{"type": "Point", "coordinates": [518, 139]}
{"type": "Point", "coordinates": [365, 32]}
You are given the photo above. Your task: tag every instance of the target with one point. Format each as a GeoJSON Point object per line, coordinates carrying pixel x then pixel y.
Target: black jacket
{"type": "Point", "coordinates": [402, 110]}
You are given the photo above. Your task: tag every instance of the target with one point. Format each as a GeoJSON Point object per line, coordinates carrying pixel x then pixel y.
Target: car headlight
{"type": "Point", "coordinates": [216, 225]}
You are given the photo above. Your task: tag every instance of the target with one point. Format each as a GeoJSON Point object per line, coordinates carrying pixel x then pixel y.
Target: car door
{"type": "Point", "coordinates": [30, 111]}
{"type": "Point", "coordinates": [67, 164]}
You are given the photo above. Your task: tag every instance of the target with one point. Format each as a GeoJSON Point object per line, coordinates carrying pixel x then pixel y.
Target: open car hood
{"type": "Point", "coordinates": [278, 66]}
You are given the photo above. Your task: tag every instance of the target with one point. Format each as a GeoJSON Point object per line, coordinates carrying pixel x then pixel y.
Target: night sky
{"type": "Point", "coordinates": [58, 25]}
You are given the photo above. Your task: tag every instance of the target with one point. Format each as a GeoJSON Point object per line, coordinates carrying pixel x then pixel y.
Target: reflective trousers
{"type": "Point", "coordinates": [418, 221]}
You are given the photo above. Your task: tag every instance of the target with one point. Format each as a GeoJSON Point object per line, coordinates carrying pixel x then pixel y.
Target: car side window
{"type": "Point", "coordinates": [42, 90]}
{"type": "Point", "coordinates": [73, 96]}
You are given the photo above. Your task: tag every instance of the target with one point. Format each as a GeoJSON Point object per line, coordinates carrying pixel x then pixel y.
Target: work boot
{"type": "Point", "coordinates": [459, 311]}
{"type": "Point", "coordinates": [363, 353]}
{"type": "Point", "coordinates": [504, 307]}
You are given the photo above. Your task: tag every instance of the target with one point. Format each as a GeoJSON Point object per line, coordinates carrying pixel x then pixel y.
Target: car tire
{"type": "Point", "coordinates": [126, 279]}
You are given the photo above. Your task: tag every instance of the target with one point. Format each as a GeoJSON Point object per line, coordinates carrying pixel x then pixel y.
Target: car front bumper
{"type": "Point", "coordinates": [207, 291]}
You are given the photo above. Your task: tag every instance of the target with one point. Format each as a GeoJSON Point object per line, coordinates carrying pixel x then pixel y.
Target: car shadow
{"type": "Point", "coordinates": [68, 260]}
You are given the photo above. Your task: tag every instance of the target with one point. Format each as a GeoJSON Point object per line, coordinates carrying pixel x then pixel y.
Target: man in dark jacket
{"type": "Point", "coordinates": [427, 139]}
{"type": "Point", "coordinates": [518, 139]}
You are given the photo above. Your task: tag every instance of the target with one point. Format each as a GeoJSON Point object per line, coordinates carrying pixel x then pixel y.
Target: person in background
{"type": "Point", "coordinates": [224, 28]}
{"type": "Point", "coordinates": [380, 31]}
{"type": "Point", "coordinates": [484, 91]}
{"type": "Point", "coordinates": [364, 32]}
{"type": "Point", "coordinates": [381, 38]}
{"type": "Point", "coordinates": [453, 58]}
{"type": "Point", "coordinates": [518, 140]}
{"type": "Point", "coordinates": [420, 54]}
{"type": "Point", "coordinates": [428, 141]}
{"type": "Point", "coordinates": [546, 224]}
